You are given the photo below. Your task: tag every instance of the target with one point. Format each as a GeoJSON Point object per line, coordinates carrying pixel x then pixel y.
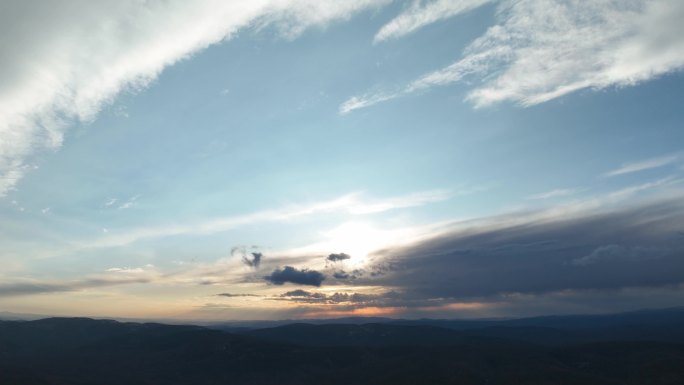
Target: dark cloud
{"type": "Point", "coordinates": [634, 247]}
{"type": "Point", "coordinates": [338, 257]}
{"type": "Point", "coordinates": [249, 258]}
{"type": "Point", "coordinates": [354, 274]}
{"type": "Point", "coordinates": [231, 295]}
{"type": "Point", "coordinates": [299, 294]}
{"type": "Point", "coordinates": [368, 299]}
{"type": "Point", "coordinates": [294, 275]}
{"type": "Point", "coordinates": [254, 261]}
{"type": "Point", "coordinates": [619, 252]}
{"type": "Point", "coordinates": [341, 275]}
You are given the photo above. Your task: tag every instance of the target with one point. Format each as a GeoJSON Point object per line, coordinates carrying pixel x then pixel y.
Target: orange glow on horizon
{"type": "Point", "coordinates": [364, 311]}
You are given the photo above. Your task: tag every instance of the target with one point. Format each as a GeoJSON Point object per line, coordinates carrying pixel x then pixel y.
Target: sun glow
{"type": "Point", "coordinates": [358, 240]}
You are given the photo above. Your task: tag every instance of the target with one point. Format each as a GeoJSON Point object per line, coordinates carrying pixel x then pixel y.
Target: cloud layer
{"type": "Point", "coordinates": [62, 61]}
{"type": "Point", "coordinates": [637, 247]}
{"type": "Point", "coordinates": [543, 49]}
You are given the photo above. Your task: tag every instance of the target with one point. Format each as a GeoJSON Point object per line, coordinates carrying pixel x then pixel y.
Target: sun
{"type": "Point", "coordinates": [357, 239]}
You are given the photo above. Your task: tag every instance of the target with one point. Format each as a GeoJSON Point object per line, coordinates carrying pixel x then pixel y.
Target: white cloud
{"type": "Point", "coordinates": [128, 204]}
{"type": "Point", "coordinates": [543, 49]}
{"type": "Point", "coordinates": [352, 204]}
{"type": "Point", "coordinates": [553, 194]}
{"type": "Point", "coordinates": [411, 200]}
{"type": "Point", "coordinates": [643, 165]}
{"type": "Point", "coordinates": [62, 61]}
{"type": "Point", "coordinates": [131, 270]}
{"type": "Point", "coordinates": [631, 190]}
{"type": "Point", "coordinates": [356, 102]}
{"type": "Point", "coordinates": [292, 17]}
{"type": "Point", "coordinates": [419, 15]}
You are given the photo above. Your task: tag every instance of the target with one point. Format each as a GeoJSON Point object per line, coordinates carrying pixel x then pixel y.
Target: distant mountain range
{"type": "Point", "coordinates": [645, 347]}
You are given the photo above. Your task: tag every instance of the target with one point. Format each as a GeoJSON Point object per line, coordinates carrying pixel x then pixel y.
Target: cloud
{"type": "Point", "coordinates": [48, 83]}
{"type": "Point", "coordinates": [354, 274]}
{"type": "Point", "coordinates": [553, 194]}
{"type": "Point", "coordinates": [254, 262]}
{"type": "Point", "coordinates": [537, 253]}
{"type": "Point", "coordinates": [341, 275]}
{"type": "Point", "coordinates": [293, 17]}
{"type": "Point", "coordinates": [540, 50]}
{"type": "Point", "coordinates": [417, 199]}
{"type": "Point", "coordinates": [608, 253]}
{"type": "Point", "coordinates": [127, 204]}
{"type": "Point", "coordinates": [302, 293]}
{"type": "Point", "coordinates": [419, 15]}
{"type": "Point", "coordinates": [232, 295]}
{"type": "Point", "coordinates": [28, 287]}
{"type": "Point", "coordinates": [131, 270]}
{"type": "Point", "coordinates": [631, 190]}
{"type": "Point", "coordinates": [356, 299]}
{"type": "Point", "coordinates": [126, 270]}
{"type": "Point", "coordinates": [647, 164]}
{"type": "Point", "coordinates": [351, 203]}
{"type": "Point", "coordinates": [338, 257]}
{"type": "Point", "coordinates": [294, 275]}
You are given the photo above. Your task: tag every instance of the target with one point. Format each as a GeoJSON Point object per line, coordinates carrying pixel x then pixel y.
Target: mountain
{"type": "Point", "coordinates": [84, 351]}
{"type": "Point", "coordinates": [370, 335]}
{"type": "Point", "coordinates": [666, 325]}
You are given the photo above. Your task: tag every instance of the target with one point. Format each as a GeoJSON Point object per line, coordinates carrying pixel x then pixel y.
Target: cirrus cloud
{"type": "Point", "coordinates": [540, 50]}
{"type": "Point", "coordinates": [64, 61]}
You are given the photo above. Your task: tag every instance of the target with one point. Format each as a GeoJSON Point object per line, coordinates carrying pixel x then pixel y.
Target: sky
{"type": "Point", "coordinates": [288, 159]}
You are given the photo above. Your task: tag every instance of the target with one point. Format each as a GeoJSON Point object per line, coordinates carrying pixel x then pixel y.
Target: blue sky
{"type": "Point", "coordinates": [148, 149]}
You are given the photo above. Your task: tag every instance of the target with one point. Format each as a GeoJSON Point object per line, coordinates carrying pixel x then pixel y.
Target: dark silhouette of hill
{"type": "Point", "coordinates": [371, 334]}
{"type": "Point", "coordinates": [544, 350]}
{"type": "Point", "coordinates": [665, 325]}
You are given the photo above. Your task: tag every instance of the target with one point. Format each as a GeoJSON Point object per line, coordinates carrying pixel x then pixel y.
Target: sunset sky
{"type": "Point", "coordinates": [264, 159]}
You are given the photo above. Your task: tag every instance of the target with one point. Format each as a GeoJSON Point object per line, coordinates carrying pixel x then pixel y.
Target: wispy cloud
{"type": "Point", "coordinates": [557, 193]}
{"type": "Point", "coordinates": [406, 201]}
{"type": "Point", "coordinates": [131, 270]}
{"type": "Point", "coordinates": [643, 165]}
{"type": "Point", "coordinates": [353, 204]}
{"type": "Point", "coordinates": [32, 286]}
{"type": "Point", "coordinates": [237, 295]}
{"type": "Point", "coordinates": [541, 50]}
{"type": "Point", "coordinates": [419, 15]}
{"type": "Point", "coordinates": [127, 204]}
{"type": "Point", "coordinates": [631, 190]}
{"type": "Point", "coordinates": [48, 83]}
